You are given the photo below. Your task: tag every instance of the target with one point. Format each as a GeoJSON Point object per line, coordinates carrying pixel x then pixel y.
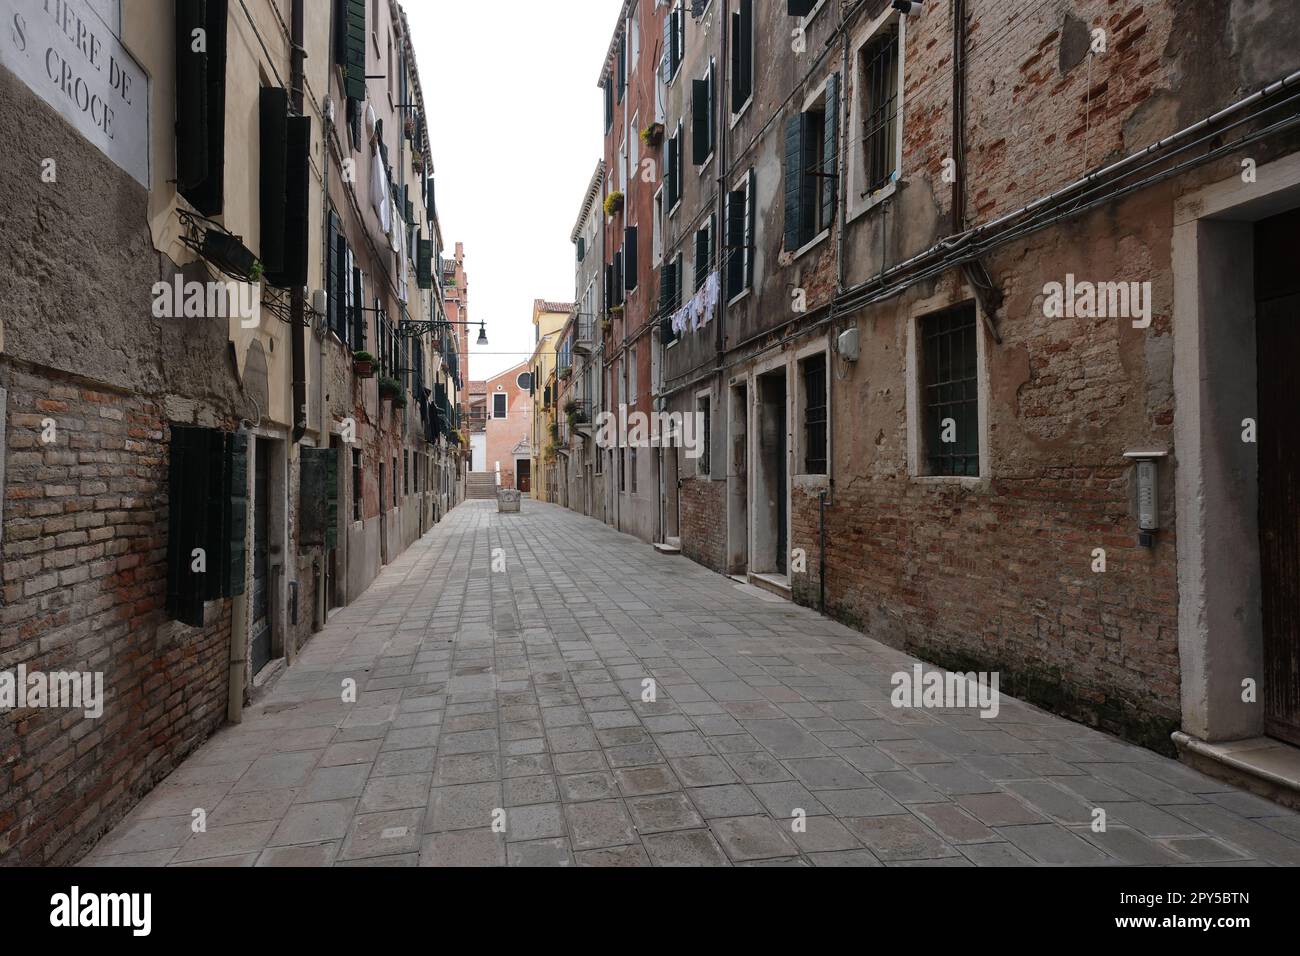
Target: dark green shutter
{"type": "Point", "coordinates": [702, 237]}
{"type": "Point", "coordinates": [332, 303]}
{"type": "Point", "coordinates": [297, 219]}
{"type": "Point", "coordinates": [751, 226]}
{"type": "Point", "coordinates": [582, 248]}
{"type": "Point", "coordinates": [734, 248]}
{"type": "Point", "coordinates": [831, 148]}
{"type": "Point", "coordinates": [273, 121]}
{"type": "Point", "coordinates": [800, 8]}
{"type": "Point", "coordinates": [201, 104]}
{"type": "Point", "coordinates": [701, 122]}
{"type": "Point", "coordinates": [237, 526]}
{"type": "Point", "coordinates": [424, 264]}
{"type": "Point", "coordinates": [314, 495]}
{"type": "Point", "coordinates": [354, 62]}
{"type": "Point", "coordinates": [629, 258]}
{"type": "Point", "coordinates": [358, 319]}
{"type": "Point", "coordinates": [179, 529]}
{"type": "Point", "coordinates": [667, 288]}
{"type": "Point", "coordinates": [795, 181]}
{"type": "Point", "coordinates": [332, 499]}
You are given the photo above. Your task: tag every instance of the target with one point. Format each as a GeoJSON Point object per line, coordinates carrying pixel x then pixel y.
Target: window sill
{"type": "Point", "coordinates": [811, 244]}
{"type": "Point", "coordinates": [739, 297]}
{"type": "Point", "coordinates": [812, 482]}
{"type": "Point", "coordinates": [736, 116]}
{"type": "Point", "coordinates": [704, 166]}
{"type": "Point", "coordinates": [970, 480]}
{"type": "Point", "coordinates": [865, 205]}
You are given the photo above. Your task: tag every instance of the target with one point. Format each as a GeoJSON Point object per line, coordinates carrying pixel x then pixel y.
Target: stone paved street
{"type": "Point", "coordinates": [521, 690]}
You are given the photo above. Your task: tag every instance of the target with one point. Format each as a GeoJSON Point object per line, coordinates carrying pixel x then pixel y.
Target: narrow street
{"type": "Point", "coordinates": [481, 690]}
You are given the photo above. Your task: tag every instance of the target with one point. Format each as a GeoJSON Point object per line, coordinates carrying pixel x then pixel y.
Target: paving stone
{"type": "Point", "coordinates": [223, 841]}
{"type": "Point", "coordinates": [953, 823]}
{"type": "Point", "coordinates": [703, 771]}
{"type": "Point", "coordinates": [643, 780]}
{"type": "Point", "coordinates": [335, 783]}
{"type": "Point", "coordinates": [823, 834]}
{"type": "Point", "coordinates": [312, 854]}
{"type": "Point", "coordinates": [614, 856]}
{"type": "Point", "coordinates": [867, 802]}
{"type": "Point", "coordinates": [587, 786]}
{"type": "Point", "coordinates": [534, 822]}
{"type": "Point", "coordinates": [587, 761]}
{"type": "Point", "coordinates": [314, 823]}
{"type": "Point", "coordinates": [554, 852]}
{"type": "Point", "coordinates": [731, 800]}
{"type": "Point", "coordinates": [251, 807]}
{"type": "Point", "coordinates": [826, 773]}
{"type": "Point", "coordinates": [897, 837]}
{"type": "Point", "coordinates": [666, 811]}
{"type": "Point", "coordinates": [599, 823]}
{"type": "Point", "coordinates": [845, 858]}
{"type": "Point", "coordinates": [999, 809]}
{"type": "Point", "coordinates": [467, 806]}
{"type": "Point", "coordinates": [396, 792]}
{"type": "Point", "coordinates": [1052, 844]}
{"type": "Point", "coordinates": [782, 799]}
{"type": "Point", "coordinates": [994, 854]}
{"type": "Point", "coordinates": [399, 762]}
{"type": "Point", "coordinates": [520, 791]}
{"type": "Point", "coordinates": [684, 848]}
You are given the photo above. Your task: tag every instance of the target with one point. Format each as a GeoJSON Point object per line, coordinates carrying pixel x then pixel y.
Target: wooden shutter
{"type": "Point", "coordinates": [273, 121]}
{"type": "Point", "coordinates": [201, 104]}
{"type": "Point", "coordinates": [796, 182]}
{"type": "Point", "coordinates": [181, 528]}
{"type": "Point", "coordinates": [354, 63]}
{"type": "Point", "coordinates": [751, 230]}
{"type": "Point", "coordinates": [831, 148]}
{"type": "Point", "coordinates": [629, 258]}
{"type": "Point", "coordinates": [618, 277]}
{"type": "Point", "coordinates": [298, 213]}
{"type": "Point", "coordinates": [747, 48]}
{"type": "Point", "coordinates": [667, 289]}
{"type": "Point", "coordinates": [800, 8]}
{"type": "Point", "coordinates": [702, 250]}
{"type": "Point", "coordinates": [424, 264]}
{"type": "Point", "coordinates": [316, 496]}
{"type": "Point", "coordinates": [701, 121]}
{"type": "Point", "coordinates": [609, 286]}
{"type": "Point", "coordinates": [332, 303]}
{"type": "Point", "coordinates": [582, 248]}
{"type": "Point", "coordinates": [666, 64]}
{"type": "Point", "coordinates": [237, 524]}
{"type": "Point", "coordinates": [735, 242]}
{"type": "Point", "coordinates": [348, 295]}
{"type": "Point", "coordinates": [358, 315]}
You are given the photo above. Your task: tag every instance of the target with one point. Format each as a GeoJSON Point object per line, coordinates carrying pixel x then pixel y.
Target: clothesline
{"type": "Point", "coordinates": [698, 312]}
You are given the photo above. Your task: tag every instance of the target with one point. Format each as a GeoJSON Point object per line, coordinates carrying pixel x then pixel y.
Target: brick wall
{"type": "Point", "coordinates": [85, 546]}
{"type": "Point", "coordinates": [703, 522]}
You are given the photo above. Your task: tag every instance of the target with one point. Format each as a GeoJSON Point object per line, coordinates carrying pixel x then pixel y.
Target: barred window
{"type": "Point", "coordinates": [949, 393]}
{"type": "Point", "coordinates": [814, 414]}
{"type": "Point", "coordinates": [879, 78]}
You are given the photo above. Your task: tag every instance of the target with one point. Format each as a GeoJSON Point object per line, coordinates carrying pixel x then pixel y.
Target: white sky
{"type": "Point", "coordinates": [516, 126]}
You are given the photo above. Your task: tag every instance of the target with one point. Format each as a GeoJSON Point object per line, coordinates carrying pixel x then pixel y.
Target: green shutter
{"type": "Point", "coordinates": [237, 526]}
{"type": "Point", "coordinates": [314, 495]}
{"type": "Point", "coordinates": [424, 264]}
{"type": "Point", "coordinates": [332, 303]}
{"type": "Point", "coordinates": [297, 217]}
{"type": "Point", "coordinates": [701, 122]}
{"type": "Point", "coordinates": [795, 180]}
{"type": "Point", "coordinates": [831, 147]}
{"type": "Point", "coordinates": [358, 315]}
{"type": "Point", "coordinates": [354, 62]}
{"type": "Point", "coordinates": [273, 122]}
{"type": "Point", "coordinates": [629, 258]}
{"type": "Point", "coordinates": [201, 104]}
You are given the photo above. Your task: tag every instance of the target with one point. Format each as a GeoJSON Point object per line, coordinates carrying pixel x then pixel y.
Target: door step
{"type": "Point", "coordinates": [1262, 765]}
{"type": "Point", "coordinates": [778, 584]}
{"type": "Point", "coordinates": [671, 546]}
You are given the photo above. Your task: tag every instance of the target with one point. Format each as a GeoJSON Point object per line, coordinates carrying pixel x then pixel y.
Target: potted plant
{"type": "Point", "coordinates": [389, 387]}
{"type": "Point", "coordinates": [606, 323]}
{"type": "Point", "coordinates": [399, 401]}
{"type": "Point", "coordinates": [564, 373]}
{"type": "Point", "coordinates": [653, 134]}
{"type": "Point", "coordinates": [613, 203]}
{"type": "Point", "coordinates": [363, 364]}
{"type": "Point", "coordinates": [408, 127]}
{"type": "Point", "coordinates": [570, 406]}
{"type": "Point", "coordinates": [616, 311]}
{"type": "Point", "coordinates": [417, 160]}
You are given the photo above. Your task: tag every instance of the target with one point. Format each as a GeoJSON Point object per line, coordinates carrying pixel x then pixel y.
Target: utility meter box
{"type": "Point", "coordinates": [847, 344]}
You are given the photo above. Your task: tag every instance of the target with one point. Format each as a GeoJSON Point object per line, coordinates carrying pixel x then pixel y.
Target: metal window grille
{"type": "Point", "coordinates": [815, 415]}
{"type": "Point", "coordinates": [880, 86]}
{"type": "Point", "coordinates": [950, 392]}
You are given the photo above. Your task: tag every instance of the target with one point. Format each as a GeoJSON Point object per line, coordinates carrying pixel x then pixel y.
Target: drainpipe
{"type": "Point", "coordinates": [297, 295]}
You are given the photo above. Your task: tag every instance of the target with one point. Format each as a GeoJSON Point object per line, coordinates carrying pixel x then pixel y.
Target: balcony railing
{"type": "Point", "coordinates": [584, 336]}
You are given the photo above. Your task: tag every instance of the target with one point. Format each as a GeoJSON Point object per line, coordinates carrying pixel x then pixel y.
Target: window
{"type": "Point", "coordinates": [813, 372]}
{"type": "Point", "coordinates": [742, 55]}
{"type": "Point", "coordinates": [811, 168]}
{"type": "Point", "coordinates": [704, 252]}
{"type": "Point", "coordinates": [673, 169]}
{"type": "Point", "coordinates": [739, 254]}
{"type": "Point", "coordinates": [356, 485]}
{"type": "Point", "coordinates": [674, 41]}
{"type": "Point", "coordinates": [524, 382]}
{"type": "Point", "coordinates": [704, 419]}
{"type": "Point", "coordinates": [499, 405]}
{"type": "Point", "coordinates": [878, 82]}
{"type": "Point", "coordinates": [631, 375]}
{"type": "Point", "coordinates": [949, 392]}
{"type": "Point", "coordinates": [395, 484]}
{"type": "Point", "coordinates": [702, 118]}
{"type": "Point", "coordinates": [406, 472]}
{"type": "Point", "coordinates": [622, 66]}
{"type": "Point", "coordinates": [657, 247]}
{"type": "Point", "coordinates": [631, 464]}
{"type": "Point", "coordinates": [609, 105]}
{"type": "Point", "coordinates": [629, 258]}
{"type": "Point", "coordinates": [622, 471]}
{"type": "Point", "coordinates": [670, 297]}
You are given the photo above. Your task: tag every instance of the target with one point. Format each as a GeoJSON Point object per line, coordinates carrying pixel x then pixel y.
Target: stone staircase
{"type": "Point", "coordinates": [480, 484]}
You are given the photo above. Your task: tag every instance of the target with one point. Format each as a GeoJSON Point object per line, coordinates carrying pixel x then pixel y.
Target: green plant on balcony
{"type": "Point", "coordinates": [564, 373]}
{"type": "Point", "coordinates": [616, 311]}
{"type": "Point", "coordinates": [653, 134]}
{"type": "Point", "coordinates": [613, 203]}
{"type": "Point", "coordinates": [570, 406]}
{"type": "Point", "coordinates": [389, 387]}
{"type": "Point", "coordinates": [399, 401]}
{"type": "Point", "coordinates": [363, 364]}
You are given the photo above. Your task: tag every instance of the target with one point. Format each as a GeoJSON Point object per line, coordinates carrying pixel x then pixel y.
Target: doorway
{"type": "Point", "coordinates": [524, 475]}
{"type": "Point", "coordinates": [770, 476]}
{"type": "Point", "coordinates": [260, 631]}
{"type": "Point", "coordinates": [738, 481]}
{"type": "Point", "coordinates": [1277, 340]}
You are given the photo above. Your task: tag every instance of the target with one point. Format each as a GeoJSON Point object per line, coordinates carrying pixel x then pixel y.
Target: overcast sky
{"type": "Point", "coordinates": [516, 126]}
